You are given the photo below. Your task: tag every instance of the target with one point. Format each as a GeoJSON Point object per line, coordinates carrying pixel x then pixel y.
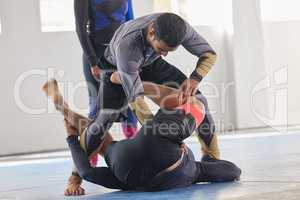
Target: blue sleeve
{"type": "Point", "coordinates": [129, 15]}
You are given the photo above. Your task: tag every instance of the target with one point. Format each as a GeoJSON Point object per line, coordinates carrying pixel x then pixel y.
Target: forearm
{"type": "Point", "coordinates": [79, 156]}
{"type": "Point", "coordinates": [99, 175]}
{"type": "Point", "coordinates": [107, 140]}
{"type": "Point", "coordinates": [81, 20]}
{"type": "Point", "coordinates": [204, 65]}
{"type": "Point", "coordinates": [198, 46]}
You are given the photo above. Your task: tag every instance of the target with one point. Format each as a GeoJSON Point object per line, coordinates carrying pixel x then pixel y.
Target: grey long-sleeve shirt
{"type": "Point", "coordinates": [129, 51]}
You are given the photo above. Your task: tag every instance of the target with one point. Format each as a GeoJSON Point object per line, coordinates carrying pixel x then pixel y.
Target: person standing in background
{"type": "Point", "coordinates": [96, 22]}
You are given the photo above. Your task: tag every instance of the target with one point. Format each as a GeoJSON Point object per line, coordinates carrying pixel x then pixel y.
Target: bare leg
{"type": "Point", "coordinates": [52, 91]}
{"type": "Point", "coordinates": [80, 122]}
{"type": "Point", "coordinates": [167, 97]}
{"type": "Point", "coordinates": [163, 96]}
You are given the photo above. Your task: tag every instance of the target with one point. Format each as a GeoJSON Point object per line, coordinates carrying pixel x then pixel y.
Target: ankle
{"type": "Point", "coordinates": [74, 180]}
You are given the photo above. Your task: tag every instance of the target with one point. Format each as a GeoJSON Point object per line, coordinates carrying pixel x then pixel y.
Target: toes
{"type": "Point", "coordinates": [67, 192]}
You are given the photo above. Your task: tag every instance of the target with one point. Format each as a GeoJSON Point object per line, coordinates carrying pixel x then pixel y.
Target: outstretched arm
{"type": "Point", "coordinates": [99, 175]}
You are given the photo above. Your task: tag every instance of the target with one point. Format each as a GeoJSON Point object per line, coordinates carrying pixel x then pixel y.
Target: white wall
{"type": "Point", "coordinates": [22, 48]}
{"type": "Point", "coordinates": [266, 68]}
{"type": "Point", "coordinates": [249, 66]}
{"type": "Point", "coordinates": [282, 52]}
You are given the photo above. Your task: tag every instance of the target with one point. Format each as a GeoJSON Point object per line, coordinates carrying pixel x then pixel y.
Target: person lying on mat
{"type": "Point", "coordinates": [156, 159]}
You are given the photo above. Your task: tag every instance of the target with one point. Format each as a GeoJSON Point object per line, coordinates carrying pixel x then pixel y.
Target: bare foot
{"type": "Point", "coordinates": [51, 89]}
{"type": "Point", "coordinates": [73, 187]}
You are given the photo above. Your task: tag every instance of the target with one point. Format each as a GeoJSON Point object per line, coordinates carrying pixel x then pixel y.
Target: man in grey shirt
{"type": "Point", "coordinates": [135, 53]}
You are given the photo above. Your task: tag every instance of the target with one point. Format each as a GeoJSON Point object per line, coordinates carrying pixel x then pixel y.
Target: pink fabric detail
{"type": "Point", "coordinates": [129, 132]}
{"type": "Point", "coordinates": [94, 160]}
{"type": "Point", "coordinates": [194, 111]}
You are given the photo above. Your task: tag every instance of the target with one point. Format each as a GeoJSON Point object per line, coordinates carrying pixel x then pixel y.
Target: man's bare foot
{"type": "Point", "coordinates": [73, 187]}
{"type": "Point", "coordinates": [51, 89]}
